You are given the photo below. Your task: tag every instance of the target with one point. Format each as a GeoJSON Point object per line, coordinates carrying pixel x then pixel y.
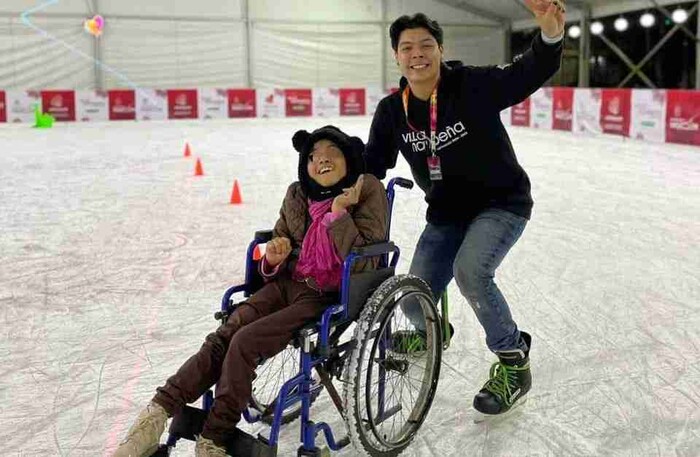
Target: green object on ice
{"type": "Point", "coordinates": [42, 120]}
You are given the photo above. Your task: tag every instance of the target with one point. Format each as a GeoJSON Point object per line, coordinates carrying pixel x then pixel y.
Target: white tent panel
{"type": "Point", "coordinates": [475, 45]}
{"type": "Point", "coordinates": [59, 55]}
{"type": "Point", "coordinates": [172, 9]}
{"type": "Point", "coordinates": [77, 7]}
{"type": "Point", "coordinates": [315, 10]}
{"type": "Point", "coordinates": [315, 55]}
{"type": "Point", "coordinates": [170, 54]}
{"type": "Point", "coordinates": [435, 10]}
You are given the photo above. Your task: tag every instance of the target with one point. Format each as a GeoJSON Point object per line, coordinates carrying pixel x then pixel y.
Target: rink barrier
{"type": "Point", "coordinates": [657, 116]}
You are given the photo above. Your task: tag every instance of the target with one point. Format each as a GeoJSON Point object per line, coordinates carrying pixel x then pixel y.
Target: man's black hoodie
{"type": "Point", "coordinates": [479, 167]}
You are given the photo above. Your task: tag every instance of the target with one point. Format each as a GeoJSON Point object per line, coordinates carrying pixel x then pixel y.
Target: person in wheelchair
{"type": "Point", "coordinates": [331, 209]}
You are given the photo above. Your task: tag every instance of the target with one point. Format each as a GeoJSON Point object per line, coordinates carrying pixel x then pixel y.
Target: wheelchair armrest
{"type": "Point", "coordinates": [403, 182]}
{"type": "Point", "coordinates": [263, 236]}
{"type": "Point", "coordinates": [374, 249]}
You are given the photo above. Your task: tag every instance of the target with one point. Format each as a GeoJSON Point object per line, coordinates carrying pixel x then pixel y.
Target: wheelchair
{"type": "Point", "coordinates": [388, 391]}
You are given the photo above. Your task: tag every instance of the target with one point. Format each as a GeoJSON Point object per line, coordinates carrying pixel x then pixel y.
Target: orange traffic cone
{"type": "Point", "coordinates": [198, 171]}
{"type": "Point", "coordinates": [236, 194]}
{"type": "Point", "coordinates": [257, 255]}
{"type": "Point", "coordinates": [187, 150]}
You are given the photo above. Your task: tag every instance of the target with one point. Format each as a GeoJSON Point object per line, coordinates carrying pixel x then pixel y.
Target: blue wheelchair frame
{"type": "Point", "coordinates": [300, 389]}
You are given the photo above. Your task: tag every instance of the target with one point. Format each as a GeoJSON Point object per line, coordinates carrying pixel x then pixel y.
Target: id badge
{"type": "Point", "coordinates": [434, 168]}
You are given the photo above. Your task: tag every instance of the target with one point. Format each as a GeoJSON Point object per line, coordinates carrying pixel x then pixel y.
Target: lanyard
{"type": "Point", "coordinates": [433, 117]}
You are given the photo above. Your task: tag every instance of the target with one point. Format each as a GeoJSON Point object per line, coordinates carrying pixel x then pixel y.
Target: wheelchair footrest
{"type": "Point", "coordinates": [190, 423]}
{"type": "Point", "coordinates": [317, 452]}
{"type": "Point", "coordinates": [244, 445]}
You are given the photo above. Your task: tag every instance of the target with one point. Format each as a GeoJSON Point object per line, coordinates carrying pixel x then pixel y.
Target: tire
{"type": "Point", "coordinates": [373, 352]}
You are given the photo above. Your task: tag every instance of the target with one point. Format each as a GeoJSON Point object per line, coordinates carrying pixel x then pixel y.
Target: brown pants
{"type": "Point", "coordinates": [259, 328]}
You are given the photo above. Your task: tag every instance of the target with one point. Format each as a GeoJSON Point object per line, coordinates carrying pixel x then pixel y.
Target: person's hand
{"type": "Point", "coordinates": [277, 249]}
{"type": "Point", "coordinates": [550, 15]}
{"type": "Point", "coordinates": [349, 197]}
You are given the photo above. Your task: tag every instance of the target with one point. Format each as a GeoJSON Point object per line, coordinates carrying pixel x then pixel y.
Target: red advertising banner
{"type": "Point", "coordinates": [297, 102]}
{"type": "Point", "coordinates": [352, 102]}
{"type": "Point", "coordinates": [3, 107]}
{"type": "Point", "coordinates": [520, 113]}
{"type": "Point", "coordinates": [122, 105]}
{"type": "Point", "coordinates": [563, 108]}
{"type": "Point", "coordinates": [59, 103]}
{"type": "Point", "coordinates": [182, 104]}
{"type": "Point", "coordinates": [683, 117]}
{"type": "Point", "coordinates": [242, 103]}
{"type": "Point", "coordinates": [615, 111]}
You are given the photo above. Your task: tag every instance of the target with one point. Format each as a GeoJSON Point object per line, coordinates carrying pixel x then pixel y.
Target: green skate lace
{"type": "Point", "coordinates": [416, 343]}
{"type": "Point", "coordinates": [412, 342]}
{"type": "Point", "coordinates": [502, 381]}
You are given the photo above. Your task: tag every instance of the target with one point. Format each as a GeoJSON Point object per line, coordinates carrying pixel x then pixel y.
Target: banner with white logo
{"type": "Point", "coordinates": [59, 103]}
{"type": "Point", "coordinates": [541, 109]}
{"type": "Point", "coordinates": [242, 103]}
{"type": "Point", "coordinates": [562, 108]}
{"type": "Point", "coordinates": [182, 104]}
{"type": "Point", "coordinates": [352, 102]}
{"type": "Point", "coordinates": [587, 103]}
{"type": "Point", "coordinates": [521, 113]}
{"type": "Point", "coordinates": [683, 117]}
{"type": "Point", "coordinates": [122, 105]}
{"type": "Point", "coordinates": [615, 112]}
{"type": "Point", "coordinates": [93, 106]}
{"type": "Point", "coordinates": [648, 115]}
{"type": "Point", "coordinates": [151, 105]}
{"type": "Point", "coordinates": [3, 107]}
{"type": "Point", "coordinates": [298, 102]}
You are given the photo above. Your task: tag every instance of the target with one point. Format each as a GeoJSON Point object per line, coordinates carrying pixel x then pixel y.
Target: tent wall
{"type": "Point", "coordinates": [222, 43]}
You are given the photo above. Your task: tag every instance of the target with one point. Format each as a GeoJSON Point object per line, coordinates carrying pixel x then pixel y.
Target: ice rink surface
{"type": "Point", "coordinates": [114, 257]}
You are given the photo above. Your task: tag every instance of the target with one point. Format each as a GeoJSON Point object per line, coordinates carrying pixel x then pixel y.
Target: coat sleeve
{"type": "Point", "coordinates": [381, 150]}
{"type": "Point", "coordinates": [508, 85]}
{"type": "Point", "coordinates": [364, 224]}
{"type": "Point", "coordinates": [282, 229]}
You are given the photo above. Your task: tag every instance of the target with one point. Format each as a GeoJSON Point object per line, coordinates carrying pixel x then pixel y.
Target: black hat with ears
{"type": "Point", "coordinates": [352, 148]}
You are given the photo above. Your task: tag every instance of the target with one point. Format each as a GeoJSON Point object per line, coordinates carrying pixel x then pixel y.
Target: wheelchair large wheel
{"type": "Point", "coordinates": [390, 389]}
{"type": "Point", "coordinates": [271, 374]}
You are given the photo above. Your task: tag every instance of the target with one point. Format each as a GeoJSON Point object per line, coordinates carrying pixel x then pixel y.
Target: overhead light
{"type": "Point", "coordinates": [647, 20]}
{"type": "Point", "coordinates": [597, 28]}
{"type": "Point", "coordinates": [621, 24]}
{"type": "Point", "coordinates": [574, 31]}
{"type": "Point", "coordinates": [679, 16]}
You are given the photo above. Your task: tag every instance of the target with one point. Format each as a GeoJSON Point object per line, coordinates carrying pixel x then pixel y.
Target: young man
{"type": "Point", "coordinates": [445, 120]}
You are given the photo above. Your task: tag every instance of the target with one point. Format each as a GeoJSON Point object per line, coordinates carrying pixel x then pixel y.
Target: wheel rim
{"type": "Point", "coordinates": [408, 380]}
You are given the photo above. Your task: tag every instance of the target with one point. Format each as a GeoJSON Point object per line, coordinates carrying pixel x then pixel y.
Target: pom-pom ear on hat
{"type": "Point", "coordinates": [299, 140]}
{"type": "Point", "coordinates": [357, 145]}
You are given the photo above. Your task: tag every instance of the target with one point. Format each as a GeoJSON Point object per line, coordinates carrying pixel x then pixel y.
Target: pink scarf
{"type": "Point", "coordinates": [319, 258]}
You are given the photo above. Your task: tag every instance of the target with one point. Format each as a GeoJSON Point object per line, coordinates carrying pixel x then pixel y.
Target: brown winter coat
{"type": "Point", "coordinates": [365, 223]}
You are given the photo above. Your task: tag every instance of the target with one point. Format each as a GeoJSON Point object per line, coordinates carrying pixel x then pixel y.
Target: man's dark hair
{"type": "Point", "coordinates": [416, 21]}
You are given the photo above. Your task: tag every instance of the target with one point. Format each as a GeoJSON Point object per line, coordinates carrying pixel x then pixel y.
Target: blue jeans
{"type": "Point", "coordinates": [471, 253]}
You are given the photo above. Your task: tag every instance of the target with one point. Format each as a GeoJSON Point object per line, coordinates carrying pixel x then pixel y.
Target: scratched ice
{"type": "Point", "coordinates": [113, 257]}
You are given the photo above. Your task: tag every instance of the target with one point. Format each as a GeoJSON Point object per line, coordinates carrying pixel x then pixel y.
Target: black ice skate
{"type": "Point", "coordinates": [508, 382]}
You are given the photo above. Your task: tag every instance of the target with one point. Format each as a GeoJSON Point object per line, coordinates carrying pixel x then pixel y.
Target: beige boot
{"type": "Point", "coordinates": [207, 448]}
{"type": "Point", "coordinates": [144, 436]}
